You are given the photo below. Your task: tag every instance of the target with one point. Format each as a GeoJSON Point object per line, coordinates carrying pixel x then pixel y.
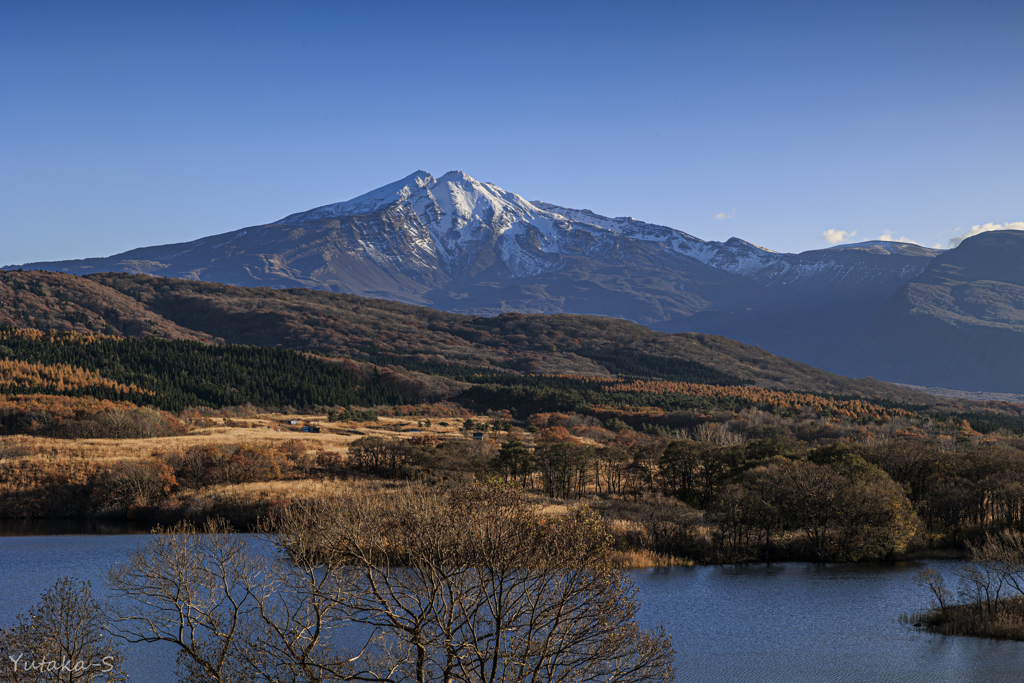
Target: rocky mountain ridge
{"type": "Point", "coordinates": [460, 245]}
{"type": "Point", "coordinates": [436, 231]}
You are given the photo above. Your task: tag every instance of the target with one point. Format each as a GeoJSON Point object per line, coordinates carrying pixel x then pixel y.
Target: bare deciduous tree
{"type": "Point", "coordinates": [472, 586]}
{"type": "Point", "coordinates": [462, 586]}
{"type": "Point", "coordinates": [235, 610]}
{"type": "Point", "coordinates": [996, 567]}
{"type": "Point", "coordinates": [61, 640]}
{"type": "Point", "coordinates": [935, 582]}
{"type": "Point", "coordinates": [190, 587]}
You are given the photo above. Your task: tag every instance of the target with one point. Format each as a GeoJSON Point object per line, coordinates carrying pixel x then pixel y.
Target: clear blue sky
{"type": "Point", "coordinates": [132, 123]}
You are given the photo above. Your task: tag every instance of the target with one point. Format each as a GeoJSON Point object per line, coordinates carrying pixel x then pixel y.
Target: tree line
{"type": "Point", "coordinates": [760, 501]}
{"type": "Point", "coordinates": [762, 498]}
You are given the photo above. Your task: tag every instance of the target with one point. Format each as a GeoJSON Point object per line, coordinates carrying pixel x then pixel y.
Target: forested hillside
{"type": "Point", "coordinates": [177, 374]}
{"type": "Point", "coordinates": [55, 301]}
{"type": "Point", "coordinates": [474, 362]}
{"type": "Point", "coordinates": [173, 344]}
{"type": "Point", "coordinates": [416, 342]}
{"type": "Point", "coordinates": [386, 332]}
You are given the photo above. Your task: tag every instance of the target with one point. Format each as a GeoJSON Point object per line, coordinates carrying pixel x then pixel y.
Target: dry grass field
{"type": "Point", "coordinates": [48, 477]}
{"type": "Point", "coordinates": [268, 431]}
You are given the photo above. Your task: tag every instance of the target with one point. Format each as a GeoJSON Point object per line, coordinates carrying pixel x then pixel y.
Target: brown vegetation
{"type": "Point", "coordinates": [990, 590]}
{"type": "Point", "coordinates": [82, 418]}
{"type": "Point", "coordinates": [360, 328]}
{"type": "Point", "coordinates": [716, 493]}
{"type": "Point", "coordinates": [19, 375]}
{"type": "Point", "coordinates": [66, 303]}
{"type": "Point", "coordinates": [784, 401]}
{"type": "Point", "coordinates": [457, 585]}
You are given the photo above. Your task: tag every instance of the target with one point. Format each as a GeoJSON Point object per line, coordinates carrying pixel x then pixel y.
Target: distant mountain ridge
{"type": "Point", "coordinates": [461, 245]}
{"type": "Point", "coordinates": [388, 333]}
{"type": "Point", "coordinates": [962, 319]}
{"type": "Point", "coordinates": [423, 233]}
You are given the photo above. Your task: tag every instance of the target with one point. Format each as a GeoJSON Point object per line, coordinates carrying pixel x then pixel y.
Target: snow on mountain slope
{"type": "Point", "coordinates": [852, 264]}
{"type": "Point", "coordinates": [890, 248]}
{"type": "Point", "coordinates": [464, 218]}
{"type": "Point", "coordinates": [733, 256]}
{"type": "Point", "coordinates": [423, 229]}
{"type": "Point", "coordinates": [630, 228]}
{"type": "Point", "coordinates": [366, 203]}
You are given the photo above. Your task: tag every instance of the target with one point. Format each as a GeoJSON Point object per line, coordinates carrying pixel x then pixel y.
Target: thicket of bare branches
{"type": "Point", "coordinates": [63, 639]}
{"type": "Point", "coordinates": [467, 585]}
{"type": "Point", "coordinates": [471, 586]}
{"type": "Point", "coordinates": [990, 590]}
{"type": "Point", "coordinates": [234, 610]}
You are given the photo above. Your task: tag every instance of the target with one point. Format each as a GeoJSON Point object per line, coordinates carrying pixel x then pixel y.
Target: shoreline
{"type": "Point", "coordinates": [622, 559]}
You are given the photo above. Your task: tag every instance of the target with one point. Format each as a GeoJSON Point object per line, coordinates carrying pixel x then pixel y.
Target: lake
{"type": "Point", "coordinates": [787, 622]}
{"type": "Point", "coordinates": [808, 622]}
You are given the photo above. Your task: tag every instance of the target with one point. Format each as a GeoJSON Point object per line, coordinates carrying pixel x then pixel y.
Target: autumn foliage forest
{"type": "Point", "coordinates": [158, 400]}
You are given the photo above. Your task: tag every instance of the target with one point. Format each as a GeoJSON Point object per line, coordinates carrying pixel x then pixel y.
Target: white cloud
{"type": "Point", "coordinates": [722, 216]}
{"type": "Point", "coordinates": [988, 227]}
{"type": "Point", "coordinates": [838, 236]}
{"type": "Point", "coordinates": [887, 236]}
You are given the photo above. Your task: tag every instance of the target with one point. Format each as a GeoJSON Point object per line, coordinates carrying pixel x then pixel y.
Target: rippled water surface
{"type": "Point", "coordinates": [786, 623]}
{"type": "Point", "coordinates": [806, 622]}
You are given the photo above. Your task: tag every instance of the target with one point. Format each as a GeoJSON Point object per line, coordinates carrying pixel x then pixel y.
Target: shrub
{"type": "Point", "coordinates": [332, 462]}
{"type": "Point", "coordinates": [253, 463]}
{"type": "Point", "coordinates": [137, 484]}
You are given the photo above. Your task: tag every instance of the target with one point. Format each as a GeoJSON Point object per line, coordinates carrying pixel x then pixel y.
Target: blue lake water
{"type": "Point", "coordinates": [787, 623]}
{"type": "Point", "coordinates": [806, 622]}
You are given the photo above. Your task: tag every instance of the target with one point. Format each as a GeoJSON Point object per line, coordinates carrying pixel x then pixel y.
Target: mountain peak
{"type": "Point", "coordinates": [888, 248]}
{"type": "Point", "coordinates": [371, 201]}
{"type": "Point", "coordinates": [997, 255]}
{"type": "Point", "coordinates": [736, 242]}
{"type": "Point", "coordinates": [458, 176]}
{"type": "Point", "coordinates": [1013, 238]}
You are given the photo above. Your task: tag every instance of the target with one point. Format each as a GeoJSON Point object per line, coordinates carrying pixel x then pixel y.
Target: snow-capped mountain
{"type": "Point", "coordinates": [454, 217]}
{"type": "Point", "coordinates": [450, 220]}
{"type": "Point", "coordinates": [461, 216]}
{"type": "Point", "coordinates": [459, 244]}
